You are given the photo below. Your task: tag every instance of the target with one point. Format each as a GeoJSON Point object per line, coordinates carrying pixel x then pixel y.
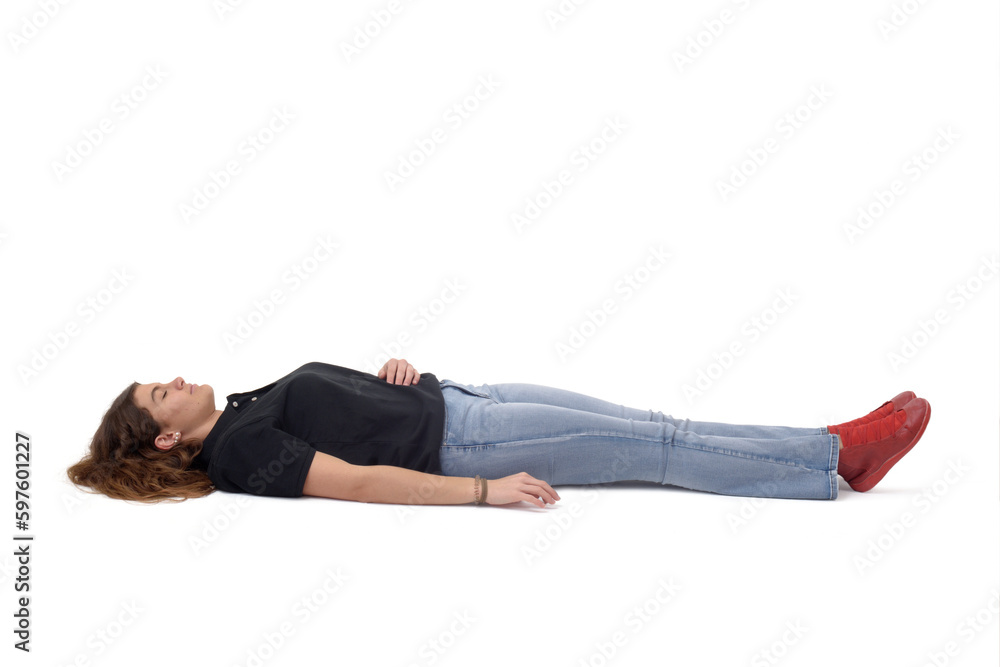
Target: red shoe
{"type": "Point", "coordinates": [883, 410]}
{"type": "Point", "coordinates": [864, 465]}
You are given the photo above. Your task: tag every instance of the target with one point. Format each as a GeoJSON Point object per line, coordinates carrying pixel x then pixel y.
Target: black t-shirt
{"type": "Point", "coordinates": [266, 439]}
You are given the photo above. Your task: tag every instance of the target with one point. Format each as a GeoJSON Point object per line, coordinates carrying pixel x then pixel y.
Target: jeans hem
{"type": "Point", "coordinates": [834, 464]}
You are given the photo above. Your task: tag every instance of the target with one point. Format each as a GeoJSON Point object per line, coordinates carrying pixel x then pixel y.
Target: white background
{"type": "Point", "coordinates": [536, 586]}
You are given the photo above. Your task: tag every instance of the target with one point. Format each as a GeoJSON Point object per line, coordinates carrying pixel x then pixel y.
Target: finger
{"type": "Point", "coordinates": [540, 491]}
{"type": "Point", "coordinates": [542, 484]}
{"type": "Point", "coordinates": [391, 371]}
{"type": "Point", "coordinates": [410, 373]}
{"type": "Point", "coordinates": [400, 367]}
{"type": "Point", "coordinates": [533, 500]}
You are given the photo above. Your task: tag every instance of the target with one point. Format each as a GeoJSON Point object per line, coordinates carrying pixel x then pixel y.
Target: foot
{"type": "Point", "coordinates": [872, 451]}
{"type": "Point", "coordinates": [873, 431]}
{"type": "Point", "coordinates": [884, 410]}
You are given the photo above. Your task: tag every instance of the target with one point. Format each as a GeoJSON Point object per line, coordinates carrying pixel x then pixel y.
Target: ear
{"type": "Point", "coordinates": [164, 442]}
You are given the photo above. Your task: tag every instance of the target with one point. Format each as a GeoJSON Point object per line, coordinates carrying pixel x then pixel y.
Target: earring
{"type": "Point", "coordinates": [177, 437]}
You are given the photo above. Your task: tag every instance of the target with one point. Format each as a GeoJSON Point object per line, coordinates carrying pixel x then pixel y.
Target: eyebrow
{"type": "Point", "coordinates": [152, 394]}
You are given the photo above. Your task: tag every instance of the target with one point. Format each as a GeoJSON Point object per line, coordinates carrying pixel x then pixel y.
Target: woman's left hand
{"type": "Point", "coordinates": [399, 371]}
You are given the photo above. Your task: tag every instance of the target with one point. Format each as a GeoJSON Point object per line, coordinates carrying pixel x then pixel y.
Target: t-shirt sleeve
{"type": "Point", "coordinates": [263, 460]}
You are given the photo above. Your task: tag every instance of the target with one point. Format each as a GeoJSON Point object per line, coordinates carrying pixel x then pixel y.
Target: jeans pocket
{"type": "Point", "coordinates": [467, 389]}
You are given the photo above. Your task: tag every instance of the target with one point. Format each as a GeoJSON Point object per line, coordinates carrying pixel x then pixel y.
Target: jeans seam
{"type": "Point", "coordinates": [738, 455]}
{"type": "Point", "coordinates": [526, 441]}
{"type": "Point", "coordinates": [834, 454]}
{"type": "Point", "coordinates": [560, 436]}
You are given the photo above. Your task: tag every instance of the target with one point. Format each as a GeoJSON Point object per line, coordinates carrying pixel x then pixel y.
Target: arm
{"type": "Point", "coordinates": [391, 484]}
{"type": "Point", "coordinates": [330, 477]}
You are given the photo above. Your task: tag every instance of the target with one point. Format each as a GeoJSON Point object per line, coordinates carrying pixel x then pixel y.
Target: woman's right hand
{"type": "Point", "coordinates": [518, 487]}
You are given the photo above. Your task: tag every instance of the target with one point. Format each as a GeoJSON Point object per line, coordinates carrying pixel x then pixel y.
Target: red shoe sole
{"type": "Point", "coordinates": [867, 482]}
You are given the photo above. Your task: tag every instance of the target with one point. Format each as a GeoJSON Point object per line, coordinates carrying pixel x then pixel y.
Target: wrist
{"type": "Point", "coordinates": [479, 490]}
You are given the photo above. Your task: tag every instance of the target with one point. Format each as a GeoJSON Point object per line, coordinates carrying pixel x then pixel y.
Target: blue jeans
{"type": "Point", "coordinates": [563, 437]}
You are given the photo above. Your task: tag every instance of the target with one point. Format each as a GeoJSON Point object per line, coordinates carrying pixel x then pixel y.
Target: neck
{"type": "Point", "coordinates": [206, 427]}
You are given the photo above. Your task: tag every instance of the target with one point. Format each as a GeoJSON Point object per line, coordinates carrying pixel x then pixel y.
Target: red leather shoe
{"type": "Point", "coordinates": [884, 410]}
{"type": "Point", "coordinates": [864, 465]}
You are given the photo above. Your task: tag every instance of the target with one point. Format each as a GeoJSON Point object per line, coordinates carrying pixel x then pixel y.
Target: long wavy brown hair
{"type": "Point", "coordinates": [124, 463]}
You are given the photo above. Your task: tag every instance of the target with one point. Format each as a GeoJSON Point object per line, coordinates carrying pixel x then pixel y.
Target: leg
{"type": "Point", "coordinates": [535, 393]}
{"type": "Point", "coordinates": [567, 446]}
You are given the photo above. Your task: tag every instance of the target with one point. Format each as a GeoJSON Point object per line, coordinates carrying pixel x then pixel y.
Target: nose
{"type": "Point", "coordinates": [179, 381]}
